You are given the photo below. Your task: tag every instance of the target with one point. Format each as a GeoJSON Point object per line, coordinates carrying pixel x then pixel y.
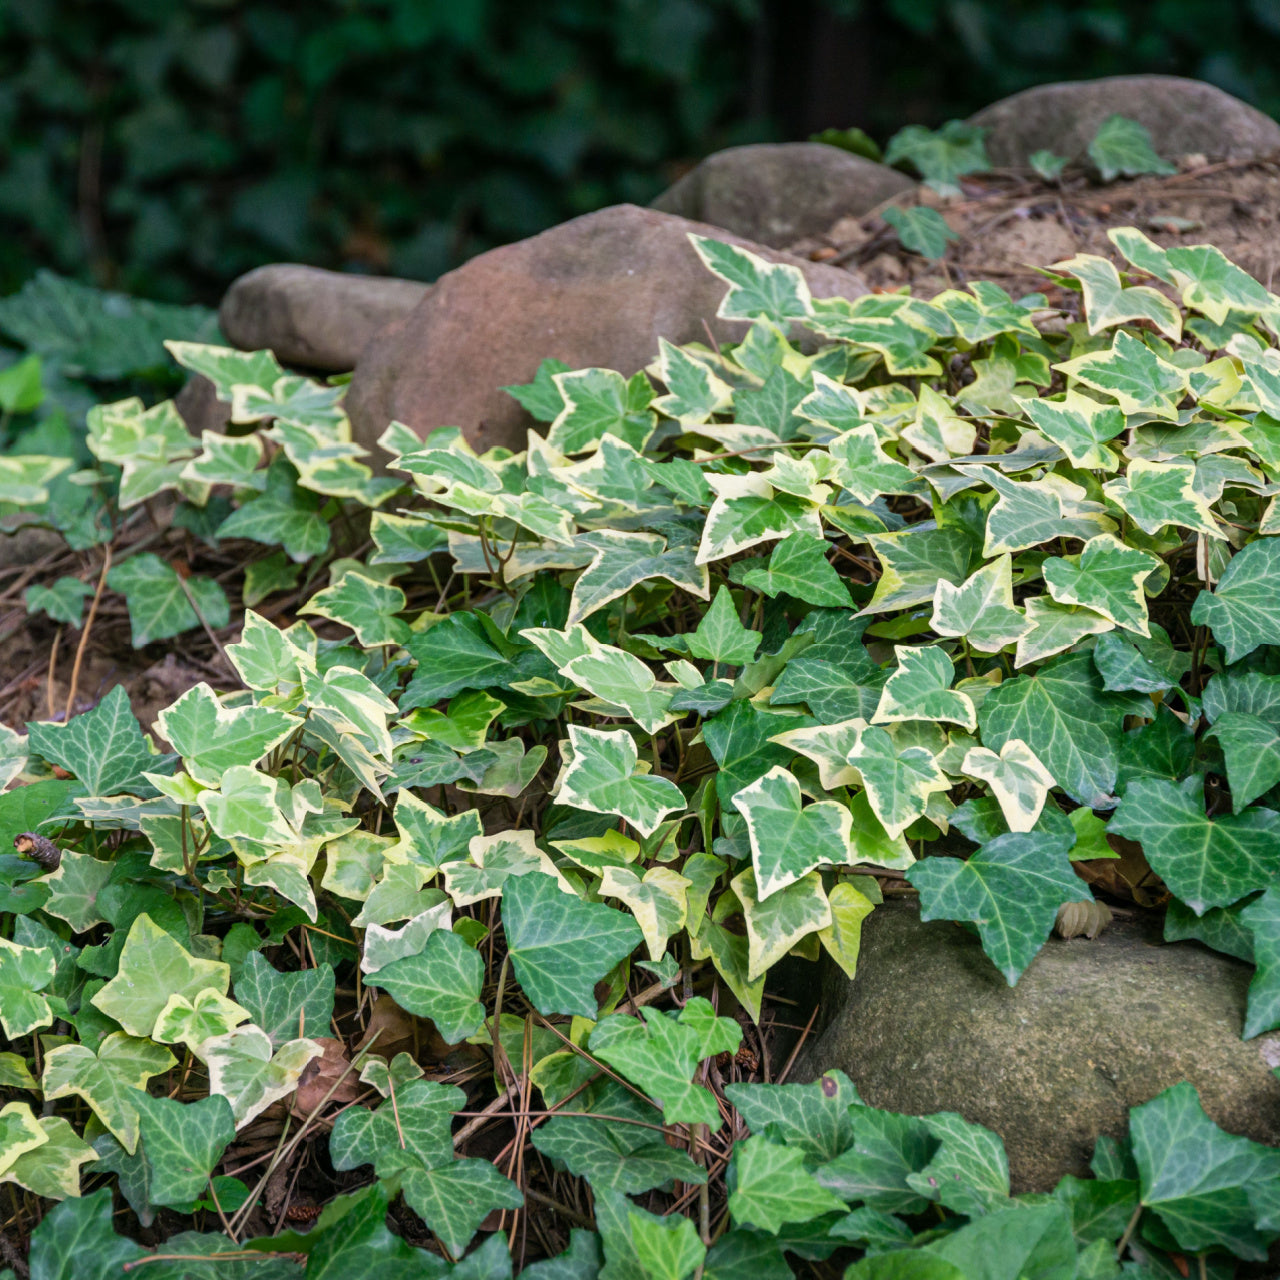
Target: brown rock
{"type": "Point", "coordinates": [199, 407]}
{"type": "Point", "coordinates": [1091, 1029]}
{"type": "Point", "coordinates": [777, 193]}
{"type": "Point", "coordinates": [317, 319]}
{"type": "Point", "coordinates": [1184, 117]}
{"type": "Point", "coordinates": [597, 291]}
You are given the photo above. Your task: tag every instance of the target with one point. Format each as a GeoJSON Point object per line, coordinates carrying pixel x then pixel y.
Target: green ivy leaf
{"type": "Point", "coordinates": [1243, 611]}
{"type": "Point", "coordinates": [1199, 1180]}
{"type": "Point", "coordinates": [1011, 889]}
{"type": "Point", "coordinates": [940, 156]}
{"type": "Point", "coordinates": [442, 982]}
{"type": "Point", "coordinates": [1261, 918]}
{"type": "Point", "coordinates": [1207, 862]}
{"type": "Point", "coordinates": [772, 1187]}
{"type": "Point", "coordinates": [160, 602]}
{"type": "Point", "coordinates": [74, 889]}
{"type": "Point", "coordinates": [420, 1122]}
{"type": "Point", "coordinates": [560, 946]}
{"type": "Point", "coordinates": [285, 1005]}
{"type": "Point", "coordinates": [921, 230]}
{"type": "Point", "coordinates": [75, 1241]}
{"type": "Point", "coordinates": [454, 1199]}
{"type": "Point", "coordinates": [104, 748]}
{"type": "Point", "coordinates": [1251, 747]}
{"type": "Point", "coordinates": [541, 397]}
{"type": "Point", "coordinates": [284, 515]}
{"type": "Point", "coordinates": [886, 1149]}
{"type": "Point", "coordinates": [667, 1248]}
{"type": "Point", "coordinates": [969, 1172]}
{"type": "Point", "coordinates": [182, 1143]}
{"type": "Point", "coordinates": [62, 600]}
{"type": "Point", "coordinates": [799, 567]}
{"type": "Point", "coordinates": [815, 1119]}
{"type": "Point", "coordinates": [721, 637]}
{"type": "Point", "coordinates": [1122, 148]}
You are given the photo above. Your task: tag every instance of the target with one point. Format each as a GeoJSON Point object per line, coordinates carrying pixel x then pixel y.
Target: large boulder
{"type": "Point", "coordinates": [597, 291]}
{"type": "Point", "coordinates": [318, 319]}
{"type": "Point", "coordinates": [778, 193]}
{"type": "Point", "coordinates": [1184, 117]}
{"type": "Point", "coordinates": [1091, 1029]}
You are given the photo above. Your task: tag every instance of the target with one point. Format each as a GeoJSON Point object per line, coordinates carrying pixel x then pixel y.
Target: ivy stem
{"type": "Point", "coordinates": [1129, 1230]}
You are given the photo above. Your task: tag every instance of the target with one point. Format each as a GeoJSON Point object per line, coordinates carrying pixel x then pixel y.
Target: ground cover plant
{"type": "Point", "coordinates": [567, 752]}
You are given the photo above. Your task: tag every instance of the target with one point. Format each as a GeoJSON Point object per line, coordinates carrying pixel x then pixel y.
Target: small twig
{"type": "Point", "coordinates": [53, 664]}
{"type": "Point", "coordinates": [84, 635]}
{"type": "Point", "coordinates": [1129, 1230]}
{"type": "Point", "coordinates": [795, 1053]}
{"type": "Point", "coordinates": [208, 630]}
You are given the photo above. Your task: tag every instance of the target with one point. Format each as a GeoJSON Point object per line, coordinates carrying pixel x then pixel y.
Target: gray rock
{"type": "Point", "coordinates": [777, 193]}
{"type": "Point", "coordinates": [597, 291]}
{"type": "Point", "coordinates": [1091, 1029]}
{"type": "Point", "coordinates": [1184, 117]}
{"type": "Point", "coordinates": [318, 319]}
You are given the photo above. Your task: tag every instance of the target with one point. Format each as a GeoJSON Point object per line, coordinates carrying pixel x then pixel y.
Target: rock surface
{"type": "Point", "coordinates": [596, 291]}
{"type": "Point", "coordinates": [1184, 117]}
{"type": "Point", "coordinates": [1091, 1029]}
{"type": "Point", "coordinates": [321, 320]}
{"type": "Point", "coordinates": [776, 193]}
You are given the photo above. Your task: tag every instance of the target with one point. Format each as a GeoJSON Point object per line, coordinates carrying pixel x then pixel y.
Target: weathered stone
{"type": "Point", "coordinates": [1091, 1029]}
{"type": "Point", "coordinates": [597, 291]}
{"type": "Point", "coordinates": [1184, 117]}
{"type": "Point", "coordinates": [199, 407]}
{"type": "Point", "coordinates": [317, 319]}
{"type": "Point", "coordinates": [777, 193]}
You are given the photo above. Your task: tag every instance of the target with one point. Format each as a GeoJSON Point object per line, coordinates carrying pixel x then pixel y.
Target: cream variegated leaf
{"type": "Point", "coordinates": [694, 392]}
{"type": "Point", "coordinates": [1107, 302]}
{"type": "Point", "coordinates": [491, 860]}
{"type": "Point", "coordinates": [898, 782]}
{"type": "Point", "coordinates": [603, 777]}
{"type": "Point", "coordinates": [1154, 494]}
{"type": "Point", "coordinates": [1131, 373]}
{"type": "Point", "coordinates": [748, 511]}
{"type": "Point", "coordinates": [1106, 577]}
{"type": "Point", "coordinates": [938, 432]}
{"type": "Point", "coordinates": [1055, 628]}
{"type": "Point", "coordinates": [1080, 426]}
{"type": "Point", "coordinates": [1017, 779]}
{"type": "Point", "coordinates": [622, 680]}
{"type": "Point", "coordinates": [1029, 512]}
{"type": "Point", "coordinates": [863, 467]}
{"type": "Point", "coordinates": [920, 689]}
{"type": "Point", "coordinates": [658, 899]}
{"type": "Point", "coordinates": [757, 289]}
{"type": "Point", "coordinates": [981, 610]}
{"type": "Point", "coordinates": [842, 938]}
{"type": "Point", "coordinates": [828, 746]}
{"type": "Point", "coordinates": [243, 1069]}
{"type": "Point", "coordinates": [778, 921]}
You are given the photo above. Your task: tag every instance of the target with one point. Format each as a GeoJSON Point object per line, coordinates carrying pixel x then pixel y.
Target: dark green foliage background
{"type": "Point", "coordinates": [163, 146]}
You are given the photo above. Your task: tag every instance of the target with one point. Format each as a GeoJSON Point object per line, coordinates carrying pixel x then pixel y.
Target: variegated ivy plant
{"type": "Point", "coordinates": [948, 591]}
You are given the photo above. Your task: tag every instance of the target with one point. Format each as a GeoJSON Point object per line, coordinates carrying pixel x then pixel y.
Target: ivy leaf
{"type": "Point", "coordinates": [799, 567]}
{"type": "Point", "coordinates": [600, 402]}
{"type": "Point", "coordinates": [748, 510]}
{"type": "Point", "coordinates": [921, 230]}
{"type": "Point", "coordinates": [109, 1080]}
{"type": "Point", "coordinates": [920, 689]}
{"type": "Point", "coordinates": [1154, 494]}
{"type": "Point", "coordinates": [182, 1143]}
{"type": "Point", "coordinates": [1106, 577]}
{"type": "Point", "coordinates": [160, 602]}
{"type": "Point", "coordinates": [192, 1022]}
{"type": "Point", "coordinates": [1261, 920]}
{"type": "Point", "coordinates": [1019, 782]}
{"type": "Point", "coordinates": [421, 1117]}
{"type": "Point", "coordinates": [1030, 512]}
{"type": "Point", "coordinates": [1010, 888]}
{"type": "Point", "coordinates": [52, 1169]}
{"type": "Point", "coordinates": [442, 982]}
{"type": "Point", "coordinates": [740, 740]}
{"type": "Point", "coordinates": [602, 778]}
{"type": "Point", "coordinates": [863, 467]}
{"type": "Point", "coordinates": [621, 679]}
{"type": "Point", "coordinates": [104, 748]}
{"type": "Point", "coordinates": [721, 637]}
{"type": "Point", "coordinates": [898, 783]}
{"type": "Point", "coordinates": [661, 1055]}
{"type": "Point", "coordinates": [694, 392]}
{"type": "Point", "coordinates": [285, 1005]}
{"type": "Point", "coordinates": [913, 562]}
{"type": "Point", "coordinates": [454, 1199]}
{"type": "Point", "coordinates": [247, 808]}
{"type": "Point", "coordinates": [62, 600]}
{"type": "Point", "coordinates": [20, 1132]}
{"type": "Point", "coordinates": [1252, 750]}
{"type": "Point", "coordinates": [1107, 302]}
{"type": "Point", "coordinates": [541, 397]}
{"type": "Point", "coordinates": [981, 609]}
{"type": "Point", "coordinates": [243, 1069]}
{"type": "Point", "coordinates": [1133, 375]}
{"type": "Point", "coordinates": [1067, 719]}
{"type": "Point", "coordinates": [458, 653]}
{"type": "Point", "coordinates": [1198, 1179]}
{"type": "Point", "coordinates": [667, 1248]}
{"type": "Point", "coordinates": [779, 923]}
{"type": "Point", "coordinates": [283, 516]}
{"type": "Point", "coordinates": [1122, 148]}
{"type": "Point", "coordinates": [212, 738]}
{"type": "Point", "coordinates": [886, 1148]}
{"type": "Point", "coordinates": [621, 560]}
{"type": "Point", "coordinates": [757, 289]}
{"type": "Point", "coordinates": [24, 973]}
{"type": "Point", "coordinates": [365, 605]}
{"type": "Point", "coordinates": [1207, 862]}
{"type": "Point", "coordinates": [787, 839]}
{"type": "Point", "coordinates": [815, 1119]}
{"type": "Point", "coordinates": [622, 1157]}
{"type": "Point", "coordinates": [560, 946]}
{"type": "Point", "coordinates": [1243, 611]}
{"type": "Point", "coordinates": [969, 1172]}
{"type": "Point", "coordinates": [153, 967]}
{"type": "Point", "coordinates": [773, 1188]}
{"type": "Point", "coordinates": [229, 460]}
{"type": "Point", "coordinates": [76, 1241]}
{"type": "Point", "coordinates": [658, 901]}
{"type": "Point", "coordinates": [74, 889]}
{"type": "Point", "coordinates": [1080, 426]}
{"type": "Point", "coordinates": [940, 156]}
{"type": "Point", "coordinates": [1213, 285]}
